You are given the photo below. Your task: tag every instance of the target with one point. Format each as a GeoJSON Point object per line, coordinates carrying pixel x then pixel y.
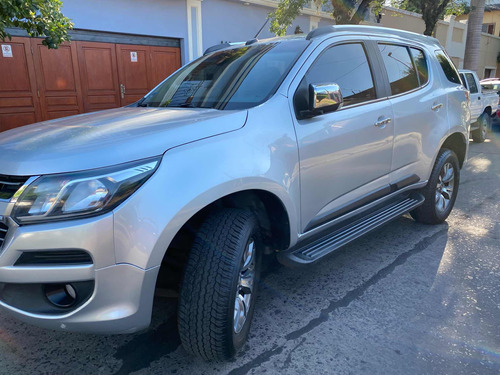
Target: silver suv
{"type": "Point", "coordinates": [293, 146]}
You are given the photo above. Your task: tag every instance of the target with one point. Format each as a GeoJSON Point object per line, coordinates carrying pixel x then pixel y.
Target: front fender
{"type": "Point", "coordinates": [192, 176]}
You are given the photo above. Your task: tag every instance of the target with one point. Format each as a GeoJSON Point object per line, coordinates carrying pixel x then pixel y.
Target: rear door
{"type": "Point", "coordinates": [345, 156]}
{"type": "Point", "coordinates": [419, 103]}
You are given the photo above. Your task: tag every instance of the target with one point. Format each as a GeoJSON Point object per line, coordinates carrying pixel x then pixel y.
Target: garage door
{"type": "Point", "coordinates": [82, 76]}
{"type": "Point", "coordinates": [19, 103]}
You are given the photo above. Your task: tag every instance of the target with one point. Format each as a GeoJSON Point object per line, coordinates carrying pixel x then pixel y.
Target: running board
{"type": "Point", "coordinates": [312, 252]}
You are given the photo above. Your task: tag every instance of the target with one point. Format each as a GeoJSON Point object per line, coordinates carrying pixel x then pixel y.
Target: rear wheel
{"type": "Point", "coordinates": [217, 297]}
{"type": "Point", "coordinates": [440, 192]}
{"type": "Point", "coordinates": [484, 122]}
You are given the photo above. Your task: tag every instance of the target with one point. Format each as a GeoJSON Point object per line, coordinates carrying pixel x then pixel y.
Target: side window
{"type": "Point", "coordinates": [400, 69]}
{"type": "Point", "coordinates": [471, 83]}
{"type": "Point", "coordinates": [345, 65]}
{"type": "Point", "coordinates": [421, 64]}
{"type": "Point", "coordinates": [462, 78]}
{"type": "Point", "coordinates": [448, 68]}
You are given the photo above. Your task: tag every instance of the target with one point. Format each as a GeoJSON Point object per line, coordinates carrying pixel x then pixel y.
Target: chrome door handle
{"type": "Point", "coordinates": [437, 106]}
{"type": "Point", "coordinates": [383, 122]}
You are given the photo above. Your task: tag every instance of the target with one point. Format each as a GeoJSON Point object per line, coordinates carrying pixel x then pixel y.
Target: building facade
{"type": "Point", "coordinates": [120, 50]}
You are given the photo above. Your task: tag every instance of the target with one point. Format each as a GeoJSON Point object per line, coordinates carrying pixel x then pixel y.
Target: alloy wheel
{"type": "Point", "coordinates": [244, 288]}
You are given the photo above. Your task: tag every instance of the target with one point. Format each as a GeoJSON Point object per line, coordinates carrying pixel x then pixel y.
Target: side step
{"type": "Point", "coordinates": [313, 251]}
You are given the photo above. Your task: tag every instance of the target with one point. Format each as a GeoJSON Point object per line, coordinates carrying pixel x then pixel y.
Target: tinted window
{"type": "Point", "coordinates": [448, 68]}
{"type": "Point", "coordinates": [462, 78]}
{"type": "Point", "coordinates": [235, 78]}
{"type": "Point", "coordinates": [421, 65]}
{"type": "Point", "coordinates": [471, 83]}
{"type": "Point", "coordinates": [345, 65]}
{"type": "Point", "coordinates": [400, 68]}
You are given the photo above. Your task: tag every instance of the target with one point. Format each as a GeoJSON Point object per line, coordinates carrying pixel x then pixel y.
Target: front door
{"type": "Point", "coordinates": [476, 106]}
{"type": "Point", "coordinates": [345, 156]}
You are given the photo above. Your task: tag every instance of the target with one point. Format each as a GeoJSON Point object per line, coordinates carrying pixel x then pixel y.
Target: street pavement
{"type": "Point", "coordinates": [406, 299]}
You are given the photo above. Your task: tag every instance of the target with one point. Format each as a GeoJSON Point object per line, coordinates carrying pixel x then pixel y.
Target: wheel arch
{"type": "Point", "coordinates": [272, 216]}
{"type": "Point", "coordinates": [458, 144]}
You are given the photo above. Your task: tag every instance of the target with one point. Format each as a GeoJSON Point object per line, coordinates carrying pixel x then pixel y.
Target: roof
{"type": "Point", "coordinates": [332, 30]}
{"type": "Point", "coordinates": [371, 30]}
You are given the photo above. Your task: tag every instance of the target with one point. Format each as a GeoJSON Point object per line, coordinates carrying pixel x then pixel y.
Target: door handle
{"type": "Point", "coordinates": [122, 90]}
{"type": "Point", "coordinates": [383, 122]}
{"type": "Point", "coordinates": [437, 106]}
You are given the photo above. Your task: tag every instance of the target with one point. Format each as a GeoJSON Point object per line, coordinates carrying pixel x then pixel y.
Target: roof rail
{"type": "Point", "coordinates": [370, 30]}
{"type": "Point", "coordinates": [218, 47]}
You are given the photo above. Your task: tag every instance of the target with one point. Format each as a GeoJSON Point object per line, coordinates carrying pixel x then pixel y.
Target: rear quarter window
{"type": "Point", "coordinates": [400, 68]}
{"type": "Point", "coordinates": [448, 68]}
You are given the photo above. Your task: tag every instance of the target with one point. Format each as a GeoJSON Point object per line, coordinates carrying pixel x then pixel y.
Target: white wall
{"type": "Point", "coordinates": [146, 17]}
{"type": "Point", "coordinates": [231, 21]}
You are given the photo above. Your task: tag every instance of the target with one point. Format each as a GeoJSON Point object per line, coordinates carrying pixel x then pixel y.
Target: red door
{"type": "Point", "coordinates": [58, 80]}
{"type": "Point", "coordinates": [133, 72]}
{"type": "Point", "coordinates": [19, 103]}
{"type": "Point", "coordinates": [164, 61]}
{"type": "Point", "coordinates": [99, 75]}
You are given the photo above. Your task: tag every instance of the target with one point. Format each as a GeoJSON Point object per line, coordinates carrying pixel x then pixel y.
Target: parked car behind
{"type": "Point", "coordinates": [484, 105]}
{"type": "Point", "coordinates": [290, 146]}
{"type": "Point", "coordinates": [493, 84]}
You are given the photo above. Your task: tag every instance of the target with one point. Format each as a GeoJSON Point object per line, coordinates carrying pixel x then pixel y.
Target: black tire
{"type": "Point", "coordinates": [208, 290]}
{"type": "Point", "coordinates": [484, 122]}
{"type": "Point", "coordinates": [428, 213]}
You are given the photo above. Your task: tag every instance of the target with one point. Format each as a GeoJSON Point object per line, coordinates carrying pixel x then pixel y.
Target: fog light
{"type": "Point", "coordinates": [61, 295]}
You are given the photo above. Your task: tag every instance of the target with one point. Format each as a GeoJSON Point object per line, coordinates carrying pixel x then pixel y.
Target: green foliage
{"type": "Point", "coordinates": [40, 18]}
{"type": "Point", "coordinates": [454, 7]}
{"type": "Point", "coordinates": [284, 15]}
{"type": "Point", "coordinates": [343, 12]}
{"type": "Point", "coordinates": [431, 10]}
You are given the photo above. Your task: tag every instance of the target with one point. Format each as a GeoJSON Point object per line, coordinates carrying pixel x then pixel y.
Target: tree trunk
{"type": "Point", "coordinates": [432, 11]}
{"type": "Point", "coordinates": [474, 28]}
{"type": "Point", "coordinates": [350, 11]}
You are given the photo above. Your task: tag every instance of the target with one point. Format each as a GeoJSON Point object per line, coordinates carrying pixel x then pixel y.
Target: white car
{"type": "Point", "coordinates": [483, 105]}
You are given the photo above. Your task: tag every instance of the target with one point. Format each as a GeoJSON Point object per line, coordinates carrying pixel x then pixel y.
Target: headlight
{"type": "Point", "coordinates": [64, 196]}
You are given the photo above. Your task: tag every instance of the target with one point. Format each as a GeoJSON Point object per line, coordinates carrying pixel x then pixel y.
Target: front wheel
{"type": "Point", "coordinates": [218, 291]}
{"type": "Point", "coordinates": [441, 191]}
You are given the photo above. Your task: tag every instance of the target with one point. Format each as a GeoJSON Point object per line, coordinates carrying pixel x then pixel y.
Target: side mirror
{"type": "Point", "coordinates": [323, 98]}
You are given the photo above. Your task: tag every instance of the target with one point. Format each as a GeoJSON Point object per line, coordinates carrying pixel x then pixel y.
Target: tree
{"type": "Point", "coordinates": [432, 10]}
{"type": "Point", "coordinates": [40, 18]}
{"type": "Point", "coordinates": [344, 12]}
{"type": "Point", "coordinates": [474, 29]}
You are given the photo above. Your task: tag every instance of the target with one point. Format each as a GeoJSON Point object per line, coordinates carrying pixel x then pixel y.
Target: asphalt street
{"type": "Point", "coordinates": [406, 299]}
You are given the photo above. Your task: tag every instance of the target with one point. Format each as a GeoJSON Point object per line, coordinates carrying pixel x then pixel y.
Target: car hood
{"type": "Point", "coordinates": [107, 138]}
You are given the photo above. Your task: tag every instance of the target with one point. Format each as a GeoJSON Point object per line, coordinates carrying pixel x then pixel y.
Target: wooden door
{"type": "Point", "coordinates": [99, 75]}
{"type": "Point", "coordinates": [133, 72]}
{"type": "Point", "coordinates": [58, 80]}
{"type": "Point", "coordinates": [19, 104]}
{"type": "Point", "coordinates": [163, 62]}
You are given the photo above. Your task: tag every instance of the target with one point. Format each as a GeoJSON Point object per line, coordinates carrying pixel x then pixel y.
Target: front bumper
{"type": "Point", "coordinates": [122, 296]}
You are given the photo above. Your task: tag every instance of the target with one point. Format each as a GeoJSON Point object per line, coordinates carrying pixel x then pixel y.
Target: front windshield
{"type": "Point", "coordinates": [236, 78]}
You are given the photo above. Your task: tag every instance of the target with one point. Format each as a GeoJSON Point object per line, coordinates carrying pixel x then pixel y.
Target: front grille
{"type": "Point", "coordinates": [9, 185]}
{"type": "Point", "coordinates": [3, 232]}
{"type": "Point", "coordinates": [49, 258]}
